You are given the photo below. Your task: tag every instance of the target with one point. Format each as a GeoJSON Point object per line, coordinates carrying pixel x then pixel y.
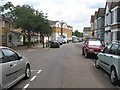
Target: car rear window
{"type": "Point", "coordinates": [95, 43]}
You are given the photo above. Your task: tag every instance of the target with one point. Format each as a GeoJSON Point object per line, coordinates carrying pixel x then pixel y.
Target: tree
{"type": "Point", "coordinates": [28, 19]}
{"type": "Point", "coordinates": [78, 34]}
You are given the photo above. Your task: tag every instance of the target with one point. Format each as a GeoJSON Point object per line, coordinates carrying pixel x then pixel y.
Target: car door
{"type": "Point", "coordinates": [5, 70]}
{"type": "Point", "coordinates": [111, 56]}
{"type": "Point", "coordinates": [14, 64]}
{"type": "Point", "coordinates": [103, 57]}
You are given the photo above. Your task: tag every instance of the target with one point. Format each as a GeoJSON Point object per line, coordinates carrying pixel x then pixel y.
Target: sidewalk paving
{"type": "Point", "coordinates": [26, 47]}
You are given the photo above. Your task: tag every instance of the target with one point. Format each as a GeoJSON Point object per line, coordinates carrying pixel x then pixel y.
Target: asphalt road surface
{"type": "Point", "coordinates": [63, 67]}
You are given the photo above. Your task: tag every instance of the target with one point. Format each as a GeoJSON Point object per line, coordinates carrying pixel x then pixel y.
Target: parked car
{"type": "Point", "coordinates": [80, 40]}
{"type": "Point", "coordinates": [55, 44]}
{"type": "Point", "coordinates": [75, 41]}
{"type": "Point", "coordinates": [14, 67]}
{"type": "Point", "coordinates": [92, 47]}
{"type": "Point", "coordinates": [61, 42]}
{"type": "Point", "coordinates": [109, 60]}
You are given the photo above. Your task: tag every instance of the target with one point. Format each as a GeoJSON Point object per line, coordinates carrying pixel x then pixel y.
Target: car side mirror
{"type": "Point", "coordinates": [20, 57]}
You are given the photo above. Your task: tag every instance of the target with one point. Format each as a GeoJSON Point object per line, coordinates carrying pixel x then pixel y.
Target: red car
{"type": "Point", "coordinates": [92, 47]}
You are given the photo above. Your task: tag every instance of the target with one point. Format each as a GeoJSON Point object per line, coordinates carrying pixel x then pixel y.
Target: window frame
{"type": "Point", "coordinates": [7, 57]}
{"type": "Point", "coordinates": [113, 50]}
{"type": "Point", "coordinates": [106, 48]}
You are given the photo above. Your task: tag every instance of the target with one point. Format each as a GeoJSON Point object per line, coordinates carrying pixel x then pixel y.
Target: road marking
{"type": "Point", "coordinates": [106, 75]}
{"type": "Point", "coordinates": [26, 86]}
{"type": "Point", "coordinates": [35, 70]}
{"type": "Point", "coordinates": [39, 71]}
{"type": "Point", "coordinates": [33, 78]}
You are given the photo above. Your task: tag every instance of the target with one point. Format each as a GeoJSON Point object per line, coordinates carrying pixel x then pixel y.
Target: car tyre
{"type": "Point", "coordinates": [83, 52]}
{"type": "Point", "coordinates": [86, 54]}
{"type": "Point", "coordinates": [113, 77]}
{"type": "Point", "coordinates": [97, 64]}
{"type": "Point", "coordinates": [27, 72]}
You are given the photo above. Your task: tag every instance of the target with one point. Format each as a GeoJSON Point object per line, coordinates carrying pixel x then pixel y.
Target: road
{"type": "Point", "coordinates": [63, 67]}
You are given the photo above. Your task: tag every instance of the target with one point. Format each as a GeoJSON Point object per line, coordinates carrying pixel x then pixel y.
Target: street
{"type": "Point", "coordinates": [63, 67]}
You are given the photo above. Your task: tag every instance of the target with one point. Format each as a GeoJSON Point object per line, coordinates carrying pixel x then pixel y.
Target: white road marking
{"type": "Point", "coordinates": [39, 71]}
{"type": "Point", "coordinates": [33, 78]}
{"type": "Point", "coordinates": [26, 86]}
{"type": "Point", "coordinates": [35, 70]}
{"type": "Point", "coordinates": [106, 75]}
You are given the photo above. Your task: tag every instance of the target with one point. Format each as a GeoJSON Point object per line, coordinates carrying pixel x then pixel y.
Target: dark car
{"type": "Point", "coordinates": [92, 47]}
{"type": "Point", "coordinates": [55, 44]}
{"type": "Point", "coordinates": [60, 41]}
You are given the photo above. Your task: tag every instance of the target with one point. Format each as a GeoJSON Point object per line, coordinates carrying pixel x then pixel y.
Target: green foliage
{"type": "Point", "coordinates": [28, 19]}
{"type": "Point", "coordinates": [77, 33]}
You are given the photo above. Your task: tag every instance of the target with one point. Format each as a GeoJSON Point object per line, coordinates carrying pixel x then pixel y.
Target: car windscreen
{"type": "Point", "coordinates": [95, 43]}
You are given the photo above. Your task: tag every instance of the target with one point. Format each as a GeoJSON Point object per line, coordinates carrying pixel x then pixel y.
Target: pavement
{"type": "Point", "coordinates": [26, 47]}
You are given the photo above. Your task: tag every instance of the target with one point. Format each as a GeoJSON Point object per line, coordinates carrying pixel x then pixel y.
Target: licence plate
{"type": "Point", "coordinates": [96, 52]}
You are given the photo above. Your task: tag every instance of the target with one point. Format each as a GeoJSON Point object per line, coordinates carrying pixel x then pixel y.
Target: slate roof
{"type": "Point", "coordinates": [87, 29]}
{"type": "Point", "coordinates": [101, 12]}
{"type": "Point", "coordinates": [92, 18]}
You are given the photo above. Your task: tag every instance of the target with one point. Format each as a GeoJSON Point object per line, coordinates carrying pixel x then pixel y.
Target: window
{"type": "Point", "coordinates": [95, 43]}
{"type": "Point", "coordinates": [114, 16]}
{"type": "Point", "coordinates": [118, 51]}
{"type": "Point", "coordinates": [113, 49]}
{"type": "Point", "coordinates": [107, 49]}
{"type": "Point", "coordinates": [3, 23]}
{"type": "Point", "coordinates": [10, 55]}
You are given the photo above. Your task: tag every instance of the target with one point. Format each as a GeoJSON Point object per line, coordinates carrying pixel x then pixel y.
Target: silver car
{"type": "Point", "coordinates": [109, 60]}
{"type": "Point", "coordinates": [13, 67]}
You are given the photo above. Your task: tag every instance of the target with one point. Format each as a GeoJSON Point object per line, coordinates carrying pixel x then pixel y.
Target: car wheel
{"type": "Point", "coordinates": [83, 52]}
{"type": "Point", "coordinates": [27, 72]}
{"type": "Point", "coordinates": [86, 54]}
{"type": "Point", "coordinates": [113, 77]}
{"type": "Point", "coordinates": [97, 63]}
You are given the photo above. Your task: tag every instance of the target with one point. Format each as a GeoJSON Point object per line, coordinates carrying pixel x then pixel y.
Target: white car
{"type": "Point", "coordinates": [13, 67]}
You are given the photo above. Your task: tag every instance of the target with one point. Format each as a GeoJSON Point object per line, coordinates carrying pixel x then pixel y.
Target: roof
{"type": "Point", "coordinates": [87, 29]}
{"type": "Point", "coordinates": [16, 32]}
{"type": "Point", "coordinates": [112, 4]}
{"type": "Point", "coordinates": [69, 26]}
{"type": "Point", "coordinates": [92, 18]}
{"type": "Point", "coordinates": [52, 22]}
{"type": "Point", "coordinates": [101, 12]}
{"type": "Point", "coordinates": [96, 15]}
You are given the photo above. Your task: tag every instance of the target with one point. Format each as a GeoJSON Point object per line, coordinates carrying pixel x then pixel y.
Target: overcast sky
{"type": "Point", "coordinates": [76, 13]}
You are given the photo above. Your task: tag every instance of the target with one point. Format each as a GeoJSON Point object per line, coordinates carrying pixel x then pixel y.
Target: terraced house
{"type": "Point", "coordinates": [115, 26]}
{"type": "Point", "coordinates": [112, 21]}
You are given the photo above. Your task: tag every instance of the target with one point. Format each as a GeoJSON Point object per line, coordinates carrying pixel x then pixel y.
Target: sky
{"type": "Point", "coordinates": [76, 13]}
